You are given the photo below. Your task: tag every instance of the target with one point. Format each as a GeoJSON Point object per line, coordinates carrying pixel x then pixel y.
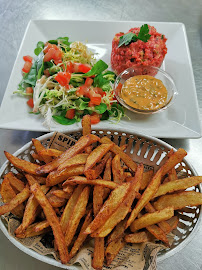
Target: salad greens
{"type": "Point", "coordinates": [67, 83]}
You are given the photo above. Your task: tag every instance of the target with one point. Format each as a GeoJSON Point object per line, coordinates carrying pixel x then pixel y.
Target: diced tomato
{"type": "Point", "coordinates": [94, 119]}
{"type": "Point", "coordinates": [88, 82]}
{"type": "Point", "coordinates": [77, 67]}
{"type": "Point", "coordinates": [27, 58]}
{"type": "Point", "coordinates": [57, 61]}
{"type": "Point", "coordinates": [91, 104]}
{"type": "Point", "coordinates": [95, 98]}
{"type": "Point", "coordinates": [119, 86]}
{"type": "Point", "coordinates": [48, 46]}
{"type": "Point", "coordinates": [27, 67]}
{"type": "Point", "coordinates": [49, 55]}
{"type": "Point", "coordinates": [29, 90]}
{"type": "Point", "coordinates": [99, 91]}
{"type": "Point", "coordinates": [69, 67]}
{"type": "Point", "coordinates": [84, 68]}
{"type": "Point", "coordinates": [80, 91]}
{"type": "Point", "coordinates": [30, 103]}
{"type": "Point", "coordinates": [46, 72]}
{"type": "Point", "coordinates": [70, 114]}
{"type": "Point", "coordinates": [63, 78]}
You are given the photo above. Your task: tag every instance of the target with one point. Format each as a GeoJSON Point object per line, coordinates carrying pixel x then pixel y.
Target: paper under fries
{"type": "Point", "coordinates": [95, 190]}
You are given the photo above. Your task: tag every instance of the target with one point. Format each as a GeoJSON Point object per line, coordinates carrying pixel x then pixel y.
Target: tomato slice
{"type": "Point", "coordinates": [27, 58]}
{"type": "Point", "coordinates": [84, 68]}
{"type": "Point", "coordinates": [88, 82]}
{"type": "Point", "coordinates": [30, 103]}
{"type": "Point", "coordinates": [27, 67]}
{"type": "Point", "coordinates": [95, 98]}
{"type": "Point", "coordinates": [63, 78]}
{"type": "Point", "coordinates": [94, 119]}
{"type": "Point", "coordinates": [70, 114]}
{"type": "Point", "coordinates": [29, 90]}
{"type": "Point", "coordinates": [49, 55]}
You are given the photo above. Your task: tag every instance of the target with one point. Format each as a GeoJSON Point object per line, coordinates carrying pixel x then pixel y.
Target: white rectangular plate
{"type": "Point", "coordinates": [181, 120]}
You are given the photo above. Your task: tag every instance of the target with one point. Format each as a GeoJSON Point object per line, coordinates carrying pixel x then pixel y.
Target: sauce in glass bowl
{"type": "Point", "coordinates": [144, 92]}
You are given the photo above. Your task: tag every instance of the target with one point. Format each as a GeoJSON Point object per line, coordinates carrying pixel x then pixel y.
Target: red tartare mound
{"type": "Point", "coordinates": [139, 53]}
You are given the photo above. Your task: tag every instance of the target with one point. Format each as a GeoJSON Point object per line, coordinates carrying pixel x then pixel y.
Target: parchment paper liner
{"type": "Point", "coordinates": [138, 256]}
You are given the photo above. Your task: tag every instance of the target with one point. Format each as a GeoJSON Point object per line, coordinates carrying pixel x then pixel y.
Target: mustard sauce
{"type": "Point", "coordinates": [144, 92]}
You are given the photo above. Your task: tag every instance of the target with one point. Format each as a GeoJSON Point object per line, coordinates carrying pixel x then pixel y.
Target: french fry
{"type": "Point", "coordinates": [68, 189]}
{"type": "Point", "coordinates": [95, 156]}
{"type": "Point", "coordinates": [110, 205]}
{"type": "Point", "coordinates": [57, 177]}
{"type": "Point", "coordinates": [158, 233]}
{"type": "Point", "coordinates": [41, 225]}
{"type": "Point", "coordinates": [50, 152]}
{"type": "Point", "coordinates": [79, 159]}
{"type": "Point", "coordinates": [15, 182]}
{"type": "Point", "coordinates": [40, 179]}
{"type": "Point", "coordinates": [31, 210]}
{"type": "Point", "coordinates": [86, 125]}
{"type": "Point", "coordinates": [146, 196]}
{"type": "Point", "coordinates": [139, 237]}
{"type": "Point", "coordinates": [179, 200]}
{"type": "Point", "coordinates": [113, 249]}
{"type": "Point", "coordinates": [61, 194]}
{"type": "Point", "coordinates": [152, 218]}
{"type": "Point", "coordinates": [179, 184]}
{"type": "Point", "coordinates": [37, 157]}
{"type": "Point", "coordinates": [69, 207]}
{"type": "Point", "coordinates": [7, 194]}
{"type": "Point", "coordinates": [74, 150]}
{"type": "Point", "coordinates": [122, 211]}
{"type": "Point", "coordinates": [98, 255]}
{"type": "Point", "coordinates": [107, 175]}
{"type": "Point", "coordinates": [77, 213]}
{"type": "Point", "coordinates": [40, 147]}
{"type": "Point", "coordinates": [56, 201]}
{"type": "Point", "coordinates": [30, 231]}
{"type": "Point", "coordinates": [16, 201]}
{"type": "Point", "coordinates": [85, 181]}
{"type": "Point", "coordinates": [81, 237]}
{"type": "Point", "coordinates": [118, 232]}
{"type": "Point", "coordinates": [31, 179]}
{"type": "Point", "coordinates": [117, 150]}
{"type": "Point", "coordinates": [53, 221]}
{"type": "Point", "coordinates": [118, 175]}
{"type": "Point", "coordinates": [173, 222]}
{"type": "Point", "coordinates": [23, 165]}
{"type": "Point", "coordinates": [146, 179]}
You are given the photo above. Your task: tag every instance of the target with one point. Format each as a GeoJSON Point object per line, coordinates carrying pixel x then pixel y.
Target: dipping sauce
{"type": "Point", "coordinates": [144, 92]}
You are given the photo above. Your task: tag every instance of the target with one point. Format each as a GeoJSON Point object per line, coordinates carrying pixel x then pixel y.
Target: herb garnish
{"type": "Point", "coordinates": [131, 37]}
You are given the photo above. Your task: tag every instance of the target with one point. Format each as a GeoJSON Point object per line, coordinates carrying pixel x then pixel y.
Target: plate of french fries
{"type": "Point", "coordinates": [108, 188]}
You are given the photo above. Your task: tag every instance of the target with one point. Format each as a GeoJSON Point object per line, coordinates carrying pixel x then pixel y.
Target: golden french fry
{"type": "Point", "coordinates": [15, 182]}
{"type": "Point", "coordinates": [121, 212]}
{"type": "Point", "coordinates": [81, 237]}
{"type": "Point", "coordinates": [79, 159]}
{"type": "Point", "coordinates": [77, 213]}
{"type": "Point", "coordinates": [57, 177]}
{"type": "Point", "coordinates": [79, 146]}
{"type": "Point", "coordinates": [179, 184]}
{"type": "Point", "coordinates": [23, 165]}
{"type": "Point", "coordinates": [50, 153]}
{"type": "Point", "coordinates": [85, 181]}
{"type": "Point", "coordinates": [179, 200]}
{"type": "Point", "coordinates": [139, 237]}
{"type": "Point", "coordinates": [31, 179]}
{"type": "Point", "coordinates": [86, 125]}
{"type": "Point", "coordinates": [53, 221]}
{"type": "Point", "coordinates": [31, 210]}
{"type": "Point", "coordinates": [107, 175]}
{"type": "Point", "coordinates": [16, 201]}
{"type": "Point", "coordinates": [40, 179]}
{"type": "Point", "coordinates": [172, 175]}
{"type": "Point", "coordinates": [40, 147]}
{"type": "Point", "coordinates": [147, 176]}
{"type": "Point", "coordinates": [118, 231]}
{"type": "Point", "coordinates": [7, 194]}
{"type": "Point", "coordinates": [152, 218]}
{"type": "Point", "coordinates": [173, 222]}
{"type": "Point", "coordinates": [158, 233]}
{"type": "Point", "coordinates": [110, 205]}
{"type": "Point", "coordinates": [30, 231]}
{"type": "Point", "coordinates": [61, 194]}
{"type": "Point", "coordinates": [68, 189]}
{"type": "Point", "coordinates": [95, 156]}
{"type": "Point", "coordinates": [118, 175]}
{"type": "Point", "coordinates": [41, 225]}
{"type": "Point", "coordinates": [69, 207]}
{"type": "Point", "coordinates": [113, 249]}
{"type": "Point", "coordinates": [117, 150]}
{"type": "Point", "coordinates": [37, 157]}
{"type": "Point", "coordinates": [56, 201]}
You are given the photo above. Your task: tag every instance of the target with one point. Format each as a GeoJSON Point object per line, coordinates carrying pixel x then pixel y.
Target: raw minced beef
{"type": "Point", "coordinates": [139, 53]}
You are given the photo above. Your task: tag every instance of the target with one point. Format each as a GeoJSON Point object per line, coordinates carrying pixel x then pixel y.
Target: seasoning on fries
{"type": "Point", "coordinates": [95, 190]}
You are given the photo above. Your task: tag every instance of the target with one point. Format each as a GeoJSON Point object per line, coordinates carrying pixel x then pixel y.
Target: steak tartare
{"type": "Point", "coordinates": [139, 53]}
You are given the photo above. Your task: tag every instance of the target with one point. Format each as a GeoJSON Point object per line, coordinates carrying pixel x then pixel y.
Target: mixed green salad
{"type": "Point", "coordinates": [64, 82]}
